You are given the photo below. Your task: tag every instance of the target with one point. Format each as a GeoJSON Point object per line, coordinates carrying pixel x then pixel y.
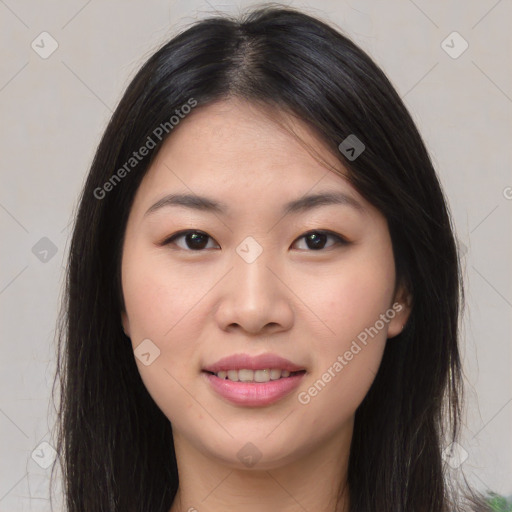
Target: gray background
{"type": "Point", "coordinates": [54, 109]}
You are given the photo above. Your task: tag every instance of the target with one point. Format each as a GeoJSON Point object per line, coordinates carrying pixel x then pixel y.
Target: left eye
{"type": "Point", "coordinates": [316, 239]}
{"type": "Point", "coordinates": [195, 239]}
{"type": "Point", "coordinates": [198, 240]}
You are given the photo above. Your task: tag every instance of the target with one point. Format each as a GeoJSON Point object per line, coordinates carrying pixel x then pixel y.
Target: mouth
{"type": "Point", "coordinates": [253, 381]}
{"type": "Point", "coordinates": [251, 393]}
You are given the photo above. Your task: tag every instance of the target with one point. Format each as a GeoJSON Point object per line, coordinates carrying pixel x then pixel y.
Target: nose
{"type": "Point", "coordinates": [255, 297]}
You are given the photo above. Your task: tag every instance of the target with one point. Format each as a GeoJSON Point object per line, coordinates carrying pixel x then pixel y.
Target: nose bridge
{"type": "Point", "coordinates": [255, 295]}
{"type": "Point", "coordinates": [251, 272]}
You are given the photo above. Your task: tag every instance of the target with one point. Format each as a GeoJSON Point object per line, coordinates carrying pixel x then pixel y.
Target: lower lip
{"type": "Point", "coordinates": [254, 394]}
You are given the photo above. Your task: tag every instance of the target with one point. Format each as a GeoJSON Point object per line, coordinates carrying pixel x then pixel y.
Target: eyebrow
{"type": "Point", "coordinates": [202, 203]}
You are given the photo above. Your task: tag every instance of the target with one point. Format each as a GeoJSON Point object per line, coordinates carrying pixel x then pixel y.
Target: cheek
{"type": "Point", "coordinates": [349, 352]}
{"type": "Point", "coordinates": [163, 306]}
{"type": "Point", "coordinates": [162, 309]}
{"type": "Point", "coordinates": [158, 297]}
{"type": "Point", "coordinates": [353, 297]}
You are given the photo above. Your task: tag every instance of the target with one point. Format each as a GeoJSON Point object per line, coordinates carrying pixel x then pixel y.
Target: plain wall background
{"type": "Point", "coordinates": [54, 110]}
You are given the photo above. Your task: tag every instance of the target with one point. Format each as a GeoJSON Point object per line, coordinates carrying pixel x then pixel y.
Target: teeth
{"type": "Point", "coordinates": [262, 375]}
{"type": "Point", "coordinates": [275, 374]}
{"type": "Point", "coordinates": [253, 375]}
{"type": "Point", "coordinates": [245, 375]}
{"type": "Point", "coordinates": [233, 375]}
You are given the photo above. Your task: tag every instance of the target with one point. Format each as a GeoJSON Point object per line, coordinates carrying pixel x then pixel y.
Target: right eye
{"type": "Point", "coordinates": [194, 240]}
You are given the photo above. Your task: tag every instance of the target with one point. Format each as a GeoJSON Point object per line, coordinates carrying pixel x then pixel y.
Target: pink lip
{"type": "Point", "coordinates": [245, 361]}
{"type": "Point", "coordinates": [254, 394]}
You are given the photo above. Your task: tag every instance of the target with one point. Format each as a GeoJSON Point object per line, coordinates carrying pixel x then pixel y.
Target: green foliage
{"type": "Point", "coordinates": [499, 503]}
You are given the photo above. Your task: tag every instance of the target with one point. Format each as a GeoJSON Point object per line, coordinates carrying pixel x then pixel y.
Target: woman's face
{"type": "Point", "coordinates": [255, 280]}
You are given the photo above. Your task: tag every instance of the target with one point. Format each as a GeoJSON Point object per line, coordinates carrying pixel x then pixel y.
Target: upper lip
{"type": "Point", "coordinates": [246, 361]}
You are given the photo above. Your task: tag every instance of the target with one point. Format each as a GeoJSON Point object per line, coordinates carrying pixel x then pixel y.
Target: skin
{"type": "Point", "coordinates": [305, 304]}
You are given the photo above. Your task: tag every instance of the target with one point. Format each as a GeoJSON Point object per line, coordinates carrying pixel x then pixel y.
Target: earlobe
{"type": "Point", "coordinates": [125, 323]}
{"type": "Point", "coordinates": [402, 307]}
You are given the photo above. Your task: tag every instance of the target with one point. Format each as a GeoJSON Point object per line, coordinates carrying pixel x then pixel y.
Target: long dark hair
{"type": "Point", "coordinates": [114, 443]}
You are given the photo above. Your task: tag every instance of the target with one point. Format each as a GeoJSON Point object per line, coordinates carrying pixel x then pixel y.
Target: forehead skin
{"type": "Point", "coordinates": [238, 150]}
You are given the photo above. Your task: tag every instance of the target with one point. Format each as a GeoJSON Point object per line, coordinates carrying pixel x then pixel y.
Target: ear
{"type": "Point", "coordinates": [402, 305]}
{"type": "Point", "coordinates": [125, 323]}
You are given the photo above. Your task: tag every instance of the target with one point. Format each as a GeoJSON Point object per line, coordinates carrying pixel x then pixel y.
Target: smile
{"type": "Point", "coordinates": [247, 375]}
{"type": "Point", "coordinates": [250, 392]}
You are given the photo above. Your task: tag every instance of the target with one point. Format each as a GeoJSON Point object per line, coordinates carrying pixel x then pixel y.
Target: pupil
{"type": "Point", "coordinates": [317, 239]}
{"type": "Point", "coordinates": [195, 239]}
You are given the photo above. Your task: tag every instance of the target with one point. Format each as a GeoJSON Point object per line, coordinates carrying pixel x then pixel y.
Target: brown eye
{"type": "Point", "coordinates": [316, 240]}
{"type": "Point", "coordinates": [194, 240]}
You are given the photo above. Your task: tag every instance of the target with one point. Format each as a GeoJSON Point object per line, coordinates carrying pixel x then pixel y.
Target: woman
{"type": "Point", "coordinates": [263, 290]}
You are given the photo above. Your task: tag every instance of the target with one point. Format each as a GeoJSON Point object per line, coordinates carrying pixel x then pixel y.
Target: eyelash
{"type": "Point", "coordinates": [340, 241]}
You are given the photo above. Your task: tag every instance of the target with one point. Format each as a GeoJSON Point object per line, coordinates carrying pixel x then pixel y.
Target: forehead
{"type": "Point", "coordinates": [238, 151]}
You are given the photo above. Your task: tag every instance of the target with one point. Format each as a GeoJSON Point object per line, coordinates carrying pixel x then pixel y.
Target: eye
{"type": "Point", "coordinates": [195, 240]}
{"type": "Point", "coordinates": [316, 240]}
